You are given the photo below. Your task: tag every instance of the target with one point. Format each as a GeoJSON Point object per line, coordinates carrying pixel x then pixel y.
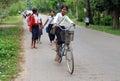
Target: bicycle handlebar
{"type": "Point", "coordinates": [66, 28]}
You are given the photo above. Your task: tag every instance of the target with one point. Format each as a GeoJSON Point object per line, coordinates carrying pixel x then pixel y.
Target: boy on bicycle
{"type": "Point", "coordinates": [61, 19]}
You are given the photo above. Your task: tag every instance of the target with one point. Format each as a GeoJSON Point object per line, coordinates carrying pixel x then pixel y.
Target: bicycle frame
{"type": "Point", "coordinates": [65, 49]}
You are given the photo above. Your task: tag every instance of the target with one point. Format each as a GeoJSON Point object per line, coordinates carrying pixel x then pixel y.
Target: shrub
{"type": "Point", "coordinates": [15, 8]}
{"type": "Point", "coordinates": [107, 21]}
{"type": "Point", "coordinates": [81, 16]}
{"type": "Point", "coordinates": [96, 20]}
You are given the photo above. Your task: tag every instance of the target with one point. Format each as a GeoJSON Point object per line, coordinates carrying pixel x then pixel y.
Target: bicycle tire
{"type": "Point", "coordinates": [70, 61]}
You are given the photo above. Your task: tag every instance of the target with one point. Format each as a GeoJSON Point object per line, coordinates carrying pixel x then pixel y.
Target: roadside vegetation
{"type": "Point", "coordinates": [102, 28]}
{"type": "Point", "coordinates": [10, 47]}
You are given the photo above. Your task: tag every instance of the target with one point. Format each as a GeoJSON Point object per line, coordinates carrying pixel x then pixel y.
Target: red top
{"type": "Point", "coordinates": [32, 22]}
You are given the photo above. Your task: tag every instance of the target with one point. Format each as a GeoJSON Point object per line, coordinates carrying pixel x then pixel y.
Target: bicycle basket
{"type": "Point", "coordinates": [67, 35]}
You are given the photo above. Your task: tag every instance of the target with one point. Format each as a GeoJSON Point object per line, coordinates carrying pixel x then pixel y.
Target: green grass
{"type": "Point", "coordinates": [107, 29]}
{"type": "Point", "coordinates": [10, 40]}
{"type": "Point", "coordinates": [12, 20]}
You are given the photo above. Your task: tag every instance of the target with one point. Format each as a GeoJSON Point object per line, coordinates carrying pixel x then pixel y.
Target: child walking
{"type": "Point", "coordinates": [50, 24]}
{"type": "Point", "coordinates": [34, 27]}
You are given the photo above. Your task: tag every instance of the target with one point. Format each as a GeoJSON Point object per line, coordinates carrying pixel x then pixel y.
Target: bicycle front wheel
{"type": "Point", "coordinates": [70, 61]}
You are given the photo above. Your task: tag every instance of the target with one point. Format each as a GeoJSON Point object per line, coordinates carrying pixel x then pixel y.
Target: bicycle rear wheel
{"type": "Point", "coordinates": [70, 61]}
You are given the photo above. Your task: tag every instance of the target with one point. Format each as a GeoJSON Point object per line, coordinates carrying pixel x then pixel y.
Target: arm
{"type": "Point", "coordinates": [41, 24]}
{"type": "Point", "coordinates": [55, 20]}
{"type": "Point", "coordinates": [69, 20]}
{"type": "Point", "coordinates": [45, 23]}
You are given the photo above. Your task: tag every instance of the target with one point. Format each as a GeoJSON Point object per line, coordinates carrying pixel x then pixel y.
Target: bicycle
{"type": "Point", "coordinates": [65, 50]}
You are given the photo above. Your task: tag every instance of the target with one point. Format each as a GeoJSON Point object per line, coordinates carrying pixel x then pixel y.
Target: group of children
{"type": "Point", "coordinates": [36, 25]}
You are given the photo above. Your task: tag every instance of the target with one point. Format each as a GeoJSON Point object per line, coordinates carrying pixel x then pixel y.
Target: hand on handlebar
{"type": "Point", "coordinates": [74, 25]}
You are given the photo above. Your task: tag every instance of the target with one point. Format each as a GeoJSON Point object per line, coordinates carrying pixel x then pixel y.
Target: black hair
{"type": "Point", "coordinates": [64, 6]}
{"type": "Point", "coordinates": [52, 11]}
{"type": "Point", "coordinates": [34, 10]}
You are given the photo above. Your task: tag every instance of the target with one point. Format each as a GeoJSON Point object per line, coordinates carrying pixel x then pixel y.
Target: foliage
{"type": "Point", "coordinates": [12, 19]}
{"type": "Point", "coordinates": [15, 8]}
{"type": "Point", "coordinates": [111, 5]}
{"type": "Point", "coordinates": [107, 21]}
{"type": "Point", "coordinates": [40, 6]}
{"type": "Point", "coordinates": [9, 47]}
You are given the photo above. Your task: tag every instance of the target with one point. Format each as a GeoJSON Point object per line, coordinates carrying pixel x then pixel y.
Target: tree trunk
{"type": "Point", "coordinates": [115, 14]}
{"type": "Point", "coordinates": [89, 11]}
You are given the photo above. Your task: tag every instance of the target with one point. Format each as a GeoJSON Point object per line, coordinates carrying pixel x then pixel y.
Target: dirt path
{"type": "Point", "coordinates": [6, 25]}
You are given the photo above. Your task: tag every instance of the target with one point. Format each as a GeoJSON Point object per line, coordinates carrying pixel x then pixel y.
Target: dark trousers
{"type": "Point", "coordinates": [51, 36]}
{"type": "Point", "coordinates": [58, 34]}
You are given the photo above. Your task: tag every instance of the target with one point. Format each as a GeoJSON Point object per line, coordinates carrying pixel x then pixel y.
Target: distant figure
{"type": "Point", "coordinates": [87, 21]}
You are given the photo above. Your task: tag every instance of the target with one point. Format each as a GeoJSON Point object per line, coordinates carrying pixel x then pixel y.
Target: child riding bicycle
{"type": "Point", "coordinates": [60, 19]}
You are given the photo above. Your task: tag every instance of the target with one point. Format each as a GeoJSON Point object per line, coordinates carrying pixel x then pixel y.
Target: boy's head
{"type": "Point", "coordinates": [64, 9]}
{"type": "Point", "coordinates": [52, 12]}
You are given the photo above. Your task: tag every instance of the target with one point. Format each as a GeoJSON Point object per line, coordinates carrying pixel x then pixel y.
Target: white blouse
{"type": "Point", "coordinates": [36, 18]}
{"type": "Point", "coordinates": [50, 20]}
{"type": "Point", "coordinates": [62, 20]}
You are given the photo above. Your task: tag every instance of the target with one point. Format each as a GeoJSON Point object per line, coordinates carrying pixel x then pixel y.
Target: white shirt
{"type": "Point", "coordinates": [87, 20]}
{"type": "Point", "coordinates": [62, 20]}
{"type": "Point", "coordinates": [36, 18]}
{"type": "Point", "coordinates": [50, 20]}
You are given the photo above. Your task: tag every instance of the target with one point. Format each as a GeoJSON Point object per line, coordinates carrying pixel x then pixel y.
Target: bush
{"type": "Point", "coordinates": [9, 48]}
{"type": "Point", "coordinates": [15, 8]}
{"type": "Point", "coordinates": [96, 20]}
{"type": "Point", "coordinates": [81, 16]}
{"type": "Point", "coordinates": [107, 21]}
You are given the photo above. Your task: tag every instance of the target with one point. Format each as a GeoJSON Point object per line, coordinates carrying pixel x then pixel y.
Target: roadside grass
{"type": "Point", "coordinates": [10, 47]}
{"type": "Point", "coordinates": [107, 29]}
{"type": "Point", "coordinates": [12, 20]}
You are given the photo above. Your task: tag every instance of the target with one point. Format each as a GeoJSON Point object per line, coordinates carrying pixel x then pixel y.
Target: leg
{"type": "Point", "coordinates": [32, 43]}
{"type": "Point", "coordinates": [58, 43]}
{"type": "Point", "coordinates": [57, 52]}
{"type": "Point", "coordinates": [50, 38]}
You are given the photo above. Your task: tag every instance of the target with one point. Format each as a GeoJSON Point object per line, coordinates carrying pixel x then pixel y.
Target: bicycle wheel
{"type": "Point", "coordinates": [70, 61]}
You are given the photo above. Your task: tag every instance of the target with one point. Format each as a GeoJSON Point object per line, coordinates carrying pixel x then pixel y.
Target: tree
{"type": "Point", "coordinates": [29, 4]}
{"type": "Point", "coordinates": [88, 8]}
{"type": "Point", "coordinates": [112, 7]}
